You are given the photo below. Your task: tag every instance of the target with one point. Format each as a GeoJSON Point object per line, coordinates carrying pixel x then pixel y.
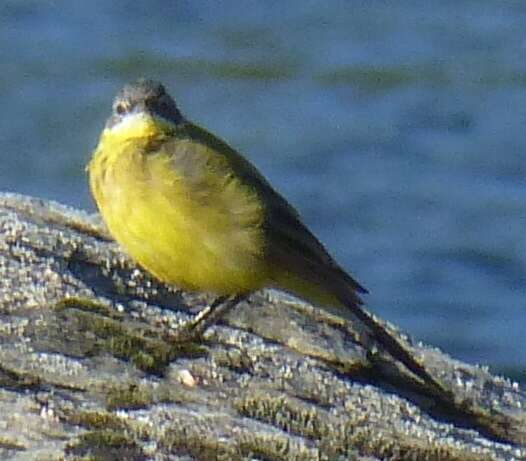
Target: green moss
{"type": "Point", "coordinates": [106, 445]}
{"type": "Point", "coordinates": [270, 450]}
{"type": "Point", "coordinates": [87, 305]}
{"type": "Point", "coordinates": [6, 444]}
{"type": "Point", "coordinates": [290, 414]}
{"type": "Point", "coordinates": [198, 446]}
{"type": "Point", "coordinates": [130, 397]}
{"type": "Point", "coordinates": [109, 439]}
{"type": "Point", "coordinates": [147, 354]}
{"type": "Point", "coordinates": [18, 380]}
{"type": "Point", "coordinates": [340, 440]}
{"type": "Point", "coordinates": [124, 339]}
{"type": "Point", "coordinates": [95, 420]}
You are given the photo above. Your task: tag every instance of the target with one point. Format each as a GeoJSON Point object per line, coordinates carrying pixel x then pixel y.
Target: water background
{"type": "Point", "coordinates": [398, 129]}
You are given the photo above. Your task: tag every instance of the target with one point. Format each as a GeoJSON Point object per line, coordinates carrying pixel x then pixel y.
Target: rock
{"type": "Point", "coordinates": [89, 368]}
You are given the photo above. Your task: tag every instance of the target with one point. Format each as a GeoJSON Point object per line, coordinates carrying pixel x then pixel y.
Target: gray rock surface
{"type": "Point", "coordinates": [89, 368]}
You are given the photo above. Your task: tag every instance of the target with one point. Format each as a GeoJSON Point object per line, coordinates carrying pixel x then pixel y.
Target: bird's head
{"type": "Point", "coordinates": [143, 100]}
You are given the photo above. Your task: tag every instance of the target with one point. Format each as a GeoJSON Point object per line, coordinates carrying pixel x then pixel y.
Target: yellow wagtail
{"type": "Point", "coordinates": [195, 213]}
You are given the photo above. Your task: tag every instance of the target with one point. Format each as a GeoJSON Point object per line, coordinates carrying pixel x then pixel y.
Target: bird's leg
{"type": "Point", "coordinates": [195, 327]}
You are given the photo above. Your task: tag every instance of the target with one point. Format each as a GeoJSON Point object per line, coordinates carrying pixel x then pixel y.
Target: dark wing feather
{"type": "Point", "coordinates": [294, 246]}
{"type": "Point", "coordinates": [290, 243]}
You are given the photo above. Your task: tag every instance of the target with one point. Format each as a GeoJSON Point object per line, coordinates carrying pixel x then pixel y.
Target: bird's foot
{"type": "Point", "coordinates": [192, 330]}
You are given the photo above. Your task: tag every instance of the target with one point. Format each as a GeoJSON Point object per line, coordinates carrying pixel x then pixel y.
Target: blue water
{"type": "Point", "coordinates": [397, 128]}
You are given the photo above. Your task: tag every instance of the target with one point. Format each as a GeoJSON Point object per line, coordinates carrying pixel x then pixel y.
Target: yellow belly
{"type": "Point", "coordinates": [199, 234]}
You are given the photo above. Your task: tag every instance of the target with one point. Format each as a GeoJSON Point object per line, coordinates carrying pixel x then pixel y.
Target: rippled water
{"type": "Point", "coordinates": [397, 128]}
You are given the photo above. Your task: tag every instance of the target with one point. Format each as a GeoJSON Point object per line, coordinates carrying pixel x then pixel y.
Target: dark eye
{"type": "Point", "coordinates": [120, 108]}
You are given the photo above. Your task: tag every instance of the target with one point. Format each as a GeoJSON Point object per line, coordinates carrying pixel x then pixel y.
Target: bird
{"type": "Point", "coordinates": [196, 214]}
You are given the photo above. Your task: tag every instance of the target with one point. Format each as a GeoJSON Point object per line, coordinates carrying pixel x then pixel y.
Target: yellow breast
{"type": "Point", "coordinates": [177, 209]}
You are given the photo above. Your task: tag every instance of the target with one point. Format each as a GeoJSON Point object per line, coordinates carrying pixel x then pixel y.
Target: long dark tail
{"type": "Point", "coordinates": [384, 338]}
{"type": "Point", "coordinates": [312, 274]}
